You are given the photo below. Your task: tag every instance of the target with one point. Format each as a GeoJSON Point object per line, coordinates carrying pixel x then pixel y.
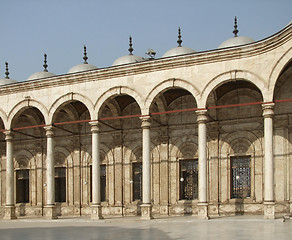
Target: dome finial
{"type": "Point", "coordinates": [85, 56]}
{"type": "Point", "coordinates": [179, 41]}
{"type": "Point", "coordinates": [7, 72]}
{"type": "Point", "coordinates": [130, 44]}
{"type": "Point", "coordinates": [235, 31]}
{"type": "Point", "coordinates": [45, 63]}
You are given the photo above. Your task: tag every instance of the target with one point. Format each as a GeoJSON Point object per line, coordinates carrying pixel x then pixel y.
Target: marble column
{"type": "Point", "coordinates": [269, 201]}
{"type": "Point", "coordinates": [10, 206]}
{"type": "Point", "coordinates": [202, 149]}
{"type": "Point", "coordinates": [50, 208]}
{"type": "Point", "coordinates": [95, 206]}
{"type": "Point", "coordinates": [146, 207]}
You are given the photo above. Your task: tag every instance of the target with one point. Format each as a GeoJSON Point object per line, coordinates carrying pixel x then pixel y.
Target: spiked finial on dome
{"type": "Point", "coordinates": [7, 72]}
{"type": "Point", "coordinates": [85, 55]}
{"type": "Point", "coordinates": [130, 46]}
{"type": "Point", "coordinates": [235, 31]}
{"type": "Point", "coordinates": [45, 63]}
{"type": "Point", "coordinates": [179, 41]}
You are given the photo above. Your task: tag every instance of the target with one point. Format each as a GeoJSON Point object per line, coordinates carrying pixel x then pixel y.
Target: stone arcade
{"type": "Point", "coordinates": [202, 133]}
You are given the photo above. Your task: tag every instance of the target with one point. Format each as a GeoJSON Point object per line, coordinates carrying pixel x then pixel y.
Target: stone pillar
{"type": "Point", "coordinates": [202, 141]}
{"type": "Point", "coordinates": [146, 207]}
{"type": "Point", "coordinates": [95, 206]}
{"type": "Point", "coordinates": [10, 207]}
{"type": "Point", "coordinates": [269, 202]}
{"type": "Point", "coordinates": [50, 208]}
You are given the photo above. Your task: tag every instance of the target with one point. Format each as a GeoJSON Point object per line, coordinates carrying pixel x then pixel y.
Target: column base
{"type": "Point", "coordinates": [146, 212]}
{"type": "Point", "coordinates": [9, 213]}
{"type": "Point", "coordinates": [203, 211]}
{"type": "Point", "coordinates": [96, 213]}
{"type": "Point", "coordinates": [269, 210]}
{"type": "Point", "coordinates": [50, 212]}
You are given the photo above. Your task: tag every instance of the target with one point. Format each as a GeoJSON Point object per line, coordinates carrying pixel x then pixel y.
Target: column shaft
{"type": "Point", "coordinates": [9, 169]}
{"type": "Point", "coordinates": [146, 166]}
{"type": "Point", "coordinates": [50, 167]}
{"type": "Point", "coordinates": [50, 208]}
{"type": "Point", "coordinates": [146, 208]}
{"type": "Point", "coordinates": [268, 113]}
{"type": "Point", "coordinates": [202, 141]}
{"type": "Point", "coordinates": [269, 165]}
{"type": "Point", "coordinates": [10, 207]}
{"type": "Point", "coordinates": [96, 211]}
{"type": "Point", "coordinates": [95, 163]}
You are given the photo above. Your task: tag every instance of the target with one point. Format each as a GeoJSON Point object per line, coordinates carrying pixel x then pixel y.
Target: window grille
{"type": "Point", "coordinates": [137, 181]}
{"type": "Point", "coordinates": [189, 179]}
{"type": "Point", "coordinates": [240, 175]}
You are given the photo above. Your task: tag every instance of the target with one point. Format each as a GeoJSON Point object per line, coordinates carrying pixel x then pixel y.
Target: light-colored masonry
{"type": "Point", "coordinates": [65, 150]}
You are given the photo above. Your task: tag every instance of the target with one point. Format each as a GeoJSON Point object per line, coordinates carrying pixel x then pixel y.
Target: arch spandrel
{"type": "Point", "coordinates": [23, 105]}
{"type": "Point", "coordinates": [285, 59]}
{"type": "Point", "coordinates": [69, 97]}
{"type": "Point", "coordinates": [167, 84]}
{"type": "Point", "coordinates": [233, 76]}
{"type": "Point", "coordinates": [112, 92]}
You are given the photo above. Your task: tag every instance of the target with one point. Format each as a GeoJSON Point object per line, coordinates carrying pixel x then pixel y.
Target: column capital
{"type": "Point", "coordinates": [268, 110]}
{"type": "Point", "coordinates": [145, 122]}
{"type": "Point", "coordinates": [50, 129]}
{"type": "Point", "coordinates": [95, 126]}
{"type": "Point", "coordinates": [202, 116]}
{"type": "Point", "coordinates": [8, 135]}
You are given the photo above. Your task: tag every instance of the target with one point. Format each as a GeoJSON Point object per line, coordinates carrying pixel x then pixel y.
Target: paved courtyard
{"type": "Point", "coordinates": [238, 227]}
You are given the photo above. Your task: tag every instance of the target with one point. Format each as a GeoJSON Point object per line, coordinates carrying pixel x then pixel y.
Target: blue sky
{"type": "Point", "coordinates": [60, 28]}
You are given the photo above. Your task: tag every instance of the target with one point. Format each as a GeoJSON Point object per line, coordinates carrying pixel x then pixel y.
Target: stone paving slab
{"type": "Point", "coordinates": [187, 227]}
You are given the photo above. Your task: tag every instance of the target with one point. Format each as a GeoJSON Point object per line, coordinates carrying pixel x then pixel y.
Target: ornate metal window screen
{"type": "Point", "coordinates": [22, 186]}
{"type": "Point", "coordinates": [240, 175]}
{"type": "Point", "coordinates": [189, 179]}
{"type": "Point", "coordinates": [137, 181]}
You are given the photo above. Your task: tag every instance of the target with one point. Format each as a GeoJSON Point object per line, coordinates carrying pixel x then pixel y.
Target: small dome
{"type": "Point", "coordinates": [38, 75]}
{"type": "Point", "coordinates": [235, 41]}
{"type": "Point", "coordinates": [43, 74]}
{"type": "Point", "coordinates": [128, 58]}
{"type": "Point", "coordinates": [179, 50]}
{"type": "Point", "coordinates": [82, 67]}
{"type": "Point", "coordinates": [7, 80]}
{"type": "Point", "coordinates": [4, 81]}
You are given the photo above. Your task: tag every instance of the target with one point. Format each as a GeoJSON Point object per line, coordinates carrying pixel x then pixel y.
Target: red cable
{"type": "Point", "coordinates": [152, 114]}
